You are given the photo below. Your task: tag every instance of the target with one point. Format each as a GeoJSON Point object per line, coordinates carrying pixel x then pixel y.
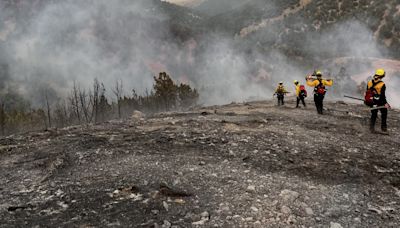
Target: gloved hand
{"type": "Point", "coordinates": [387, 105]}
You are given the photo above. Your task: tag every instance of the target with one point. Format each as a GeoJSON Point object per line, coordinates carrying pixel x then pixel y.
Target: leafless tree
{"type": "Point", "coordinates": [61, 114]}
{"type": "Point", "coordinates": [43, 116]}
{"type": "Point", "coordinates": [74, 101]}
{"type": "Point", "coordinates": [104, 107]}
{"type": "Point", "coordinates": [48, 108]}
{"type": "Point", "coordinates": [85, 103]}
{"type": "Point", "coordinates": [118, 90]}
{"type": "Point", "coordinates": [95, 97]}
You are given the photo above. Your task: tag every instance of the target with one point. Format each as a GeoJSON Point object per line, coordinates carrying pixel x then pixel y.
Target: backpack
{"type": "Point", "coordinates": [320, 88]}
{"type": "Point", "coordinates": [371, 95]}
{"type": "Point", "coordinates": [303, 91]}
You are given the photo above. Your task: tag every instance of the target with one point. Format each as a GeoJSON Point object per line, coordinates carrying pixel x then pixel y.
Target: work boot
{"type": "Point", "coordinates": [372, 129]}
{"type": "Point", "coordinates": [384, 131]}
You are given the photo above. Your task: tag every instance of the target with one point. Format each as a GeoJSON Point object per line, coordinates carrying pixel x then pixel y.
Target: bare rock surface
{"type": "Point", "coordinates": [239, 165]}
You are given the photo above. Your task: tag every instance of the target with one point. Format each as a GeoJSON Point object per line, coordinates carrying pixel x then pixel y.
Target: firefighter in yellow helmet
{"type": "Point", "coordinates": [280, 93]}
{"type": "Point", "coordinates": [319, 89]}
{"type": "Point", "coordinates": [375, 95]}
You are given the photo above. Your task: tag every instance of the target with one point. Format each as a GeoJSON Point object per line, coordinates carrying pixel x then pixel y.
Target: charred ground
{"type": "Point", "coordinates": [239, 165]}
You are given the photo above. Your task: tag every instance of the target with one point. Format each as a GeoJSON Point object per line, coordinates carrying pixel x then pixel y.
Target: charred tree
{"type": "Point", "coordinates": [118, 94]}
{"type": "Point", "coordinates": [74, 101]}
{"type": "Point", "coordinates": [48, 108]}
{"type": "Point", "coordinates": [61, 115]}
{"type": "Point", "coordinates": [104, 106]}
{"type": "Point", "coordinates": [95, 100]}
{"type": "Point", "coordinates": [85, 104]}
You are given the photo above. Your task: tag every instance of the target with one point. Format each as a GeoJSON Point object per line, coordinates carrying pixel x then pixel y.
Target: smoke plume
{"type": "Point", "coordinates": [58, 43]}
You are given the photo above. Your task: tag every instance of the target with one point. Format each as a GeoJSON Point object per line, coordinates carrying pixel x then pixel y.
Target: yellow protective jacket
{"type": "Point", "coordinates": [380, 89]}
{"type": "Point", "coordinates": [298, 90]}
{"type": "Point", "coordinates": [315, 82]}
{"type": "Point", "coordinates": [280, 90]}
{"type": "Point", "coordinates": [379, 84]}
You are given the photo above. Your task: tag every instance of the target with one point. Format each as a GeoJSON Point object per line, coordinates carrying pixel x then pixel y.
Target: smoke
{"type": "Point", "coordinates": [352, 45]}
{"type": "Point", "coordinates": [350, 38]}
{"type": "Point", "coordinates": [226, 74]}
{"type": "Point", "coordinates": [392, 90]}
{"type": "Point", "coordinates": [70, 41]}
{"type": "Point", "coordinates": [60, 43]}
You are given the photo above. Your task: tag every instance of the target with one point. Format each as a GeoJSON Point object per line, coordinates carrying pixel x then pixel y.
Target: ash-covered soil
{"type": "Point", "coordinates": [239, 165]}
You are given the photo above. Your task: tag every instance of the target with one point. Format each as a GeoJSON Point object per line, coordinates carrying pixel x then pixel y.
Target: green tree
{"type": "Point", "coordinates": [187, 96]}
{"type": "Point", "coordinates": [165, 90]}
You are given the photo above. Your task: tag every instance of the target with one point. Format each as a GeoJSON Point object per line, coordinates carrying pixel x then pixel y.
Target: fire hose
{"type": "Point", "coordinates": [360, 99]}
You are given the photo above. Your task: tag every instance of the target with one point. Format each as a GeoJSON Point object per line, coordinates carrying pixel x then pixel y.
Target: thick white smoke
{"type": "Point", "coordinates": [78, 41]}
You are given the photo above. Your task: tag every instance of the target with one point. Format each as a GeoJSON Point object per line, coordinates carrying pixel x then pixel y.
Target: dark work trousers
{"type": "Point", "coordinates": [281, 98]}
{"type": "Point", "coordinates": [374, 116]}
{"type": "Point", "coordinates": [319, 103]}
{"type": "Point", "coordinates": [300, 98]}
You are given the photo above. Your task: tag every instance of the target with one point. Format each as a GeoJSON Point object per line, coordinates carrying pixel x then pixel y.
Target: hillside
{"type": "Point", "coordinates": [235, 17]}
{"type": "Point", "coordinates": [249, 164]}
{"type": "Point", "coordinates": [297, 28]}
{"type": "Point", "coordinates": [238, 165]}
{"type": "Point", "coordinates": [19, 15]}
{"type": "Point", "coordinates": [286, 24]}
{"type": "Point", "coordinates": [214, 8]}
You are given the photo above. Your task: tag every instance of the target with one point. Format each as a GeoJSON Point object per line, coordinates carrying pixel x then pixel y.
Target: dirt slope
{"type": "Point", "coordinates": [239, 165]}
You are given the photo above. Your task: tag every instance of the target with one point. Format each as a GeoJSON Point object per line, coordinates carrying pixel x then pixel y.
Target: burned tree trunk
{"type": "Point", "coordinates": [85, 105]}
{"type": "Point", "coordinates": [95, 100]}
{"type": "Point", "coordinates": [74, 100]}
{"type": "Point", "coordinates": [118, 93]}
{"type": "Point", "coordinates": [48, 109]}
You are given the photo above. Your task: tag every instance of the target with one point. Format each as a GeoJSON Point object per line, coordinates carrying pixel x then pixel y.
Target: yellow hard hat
{"type": "Point", "coordinates": [318, 73]}
{"type": "Point", "coordinates": [380, 73]}
{"type": "Point", "coordinates": [295, 81]}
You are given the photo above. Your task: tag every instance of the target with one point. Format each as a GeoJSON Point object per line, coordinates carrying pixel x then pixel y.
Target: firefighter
{"type": "Point", "coordinates": [301, 94]}
{"type": "Point", "coordinates": [377, 88]}
{"type": "Point", "coordinates": [280, 93]}
{"type": "Point", "coordinates": [319, 85]}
